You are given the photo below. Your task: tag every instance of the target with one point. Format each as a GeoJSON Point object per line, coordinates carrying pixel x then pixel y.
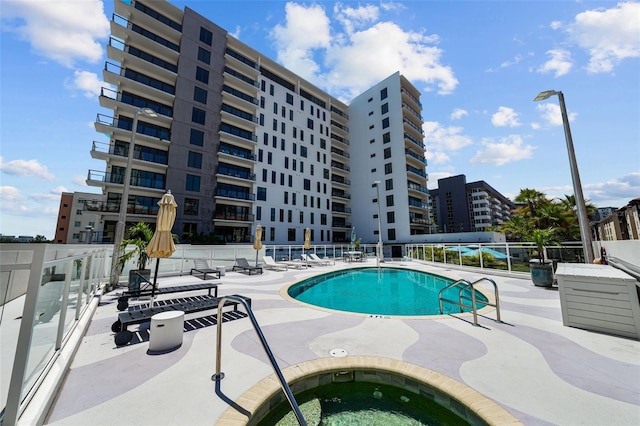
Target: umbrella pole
{"type": "Point", "coordinates": [155, 279]}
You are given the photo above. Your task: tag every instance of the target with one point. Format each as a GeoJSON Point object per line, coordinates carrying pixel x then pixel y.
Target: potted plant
{"type": "Point", "coordinates": [139, 236]}
{"type": "Point", "coordinates": [542, 268]}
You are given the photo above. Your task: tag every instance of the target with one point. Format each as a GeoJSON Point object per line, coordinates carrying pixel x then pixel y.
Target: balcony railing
{"type": "Point", "coordinates": [241, 195]}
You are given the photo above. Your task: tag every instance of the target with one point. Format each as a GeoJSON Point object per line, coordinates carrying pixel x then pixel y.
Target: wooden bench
{"type": "Point", "coordinates": [125, 319]}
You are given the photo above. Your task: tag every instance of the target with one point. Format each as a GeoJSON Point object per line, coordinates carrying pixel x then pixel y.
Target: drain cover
{"type": "Point", "coordinates": [338, 353]}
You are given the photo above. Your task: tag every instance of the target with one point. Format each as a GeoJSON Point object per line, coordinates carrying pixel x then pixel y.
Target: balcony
{"type": "Point", "coordinates": [139, 82]}
{"type": "Point", "coordinates": [416, 171]}
{"type": "Point", "coordinates": [139, 179]}
{"type": "Point", "coordinates": [235, 172]}
{"type": "Point", "coordinates": [339, 152]}
{"type": "Point", "coordinates": [235, 194]}
{"type": "Point", "coordinates": [118, 152]}
{"type": "Point", "coordinates": [121, 128]}
{"type": "Point", "coordinates": [340, 179]}
{"type": "Point", "coordinates": [114, 208]}
{"type": "Point", "coordinates": [341, 194]}
{"type": "Point", "coordinates": [414, 141]}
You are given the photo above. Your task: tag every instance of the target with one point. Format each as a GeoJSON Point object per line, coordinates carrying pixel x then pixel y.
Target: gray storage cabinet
{"type": "Point", "coordinates": [599, 298]}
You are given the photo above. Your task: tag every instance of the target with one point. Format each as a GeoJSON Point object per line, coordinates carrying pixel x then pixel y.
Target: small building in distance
{"type": "Point", "coordinates": [78, 222]}
{"type": "Point", "coordinates": [622, 224]}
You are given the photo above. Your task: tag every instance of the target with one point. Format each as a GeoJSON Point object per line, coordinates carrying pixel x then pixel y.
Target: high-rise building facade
{"type": "Point", "coordinates": [468, 207]}
{"type": "Point", "coordinates": [240, 140]}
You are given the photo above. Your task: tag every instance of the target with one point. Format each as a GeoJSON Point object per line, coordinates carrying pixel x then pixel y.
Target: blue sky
{"type": "Point", "coordinates": [478, 64]}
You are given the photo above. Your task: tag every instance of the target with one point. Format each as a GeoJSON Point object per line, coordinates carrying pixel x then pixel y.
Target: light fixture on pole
{"type": "Point", "coordinates": [583, 219]}
{"type": "Point", "coordinates": [379, 251]}
{"type": "Point", "coordinates": [124, 200]}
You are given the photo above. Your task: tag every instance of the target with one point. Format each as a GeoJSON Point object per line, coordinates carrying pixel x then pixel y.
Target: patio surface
{"type": "Point", "coordinates": [540, 371]}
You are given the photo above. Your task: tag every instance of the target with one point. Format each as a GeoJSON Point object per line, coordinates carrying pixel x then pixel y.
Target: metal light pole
{"type": "Point", "coordinates": [124, 200]}
{"type": "Point", "coordinates": [379, 251]}
{"type": "Point", "coordinates": [583, 219]}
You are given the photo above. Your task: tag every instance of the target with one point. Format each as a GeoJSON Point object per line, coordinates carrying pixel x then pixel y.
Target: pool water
{"type": "Point", "coordinates": [361, 403]}
{"type": "Point", "coordinates": [380, 291]}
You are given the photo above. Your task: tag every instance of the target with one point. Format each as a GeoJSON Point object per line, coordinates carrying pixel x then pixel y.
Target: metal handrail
{"type": "Point", "coordinates": [626, 267]}
{"type": "Point", "coordinates": [219, 375]}
{"type": "Point", "coordinates": [474, 308]}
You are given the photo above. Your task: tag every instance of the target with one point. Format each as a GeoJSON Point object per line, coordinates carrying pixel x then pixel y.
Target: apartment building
{"type": "Point", "coordinates": [78, 218]}
{"type": "Point", "coordinates": [468, 207]}
{"type": "Point", "coordinates": [240, 140]}
{"type": "Point", "coordinates": [621, 224]}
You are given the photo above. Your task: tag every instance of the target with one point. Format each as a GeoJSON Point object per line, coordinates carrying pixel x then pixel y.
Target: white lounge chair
{"type": "Point", "coordinates": [309, 260]}
{"type": "Point", "coordinates": [271, 264]}
{"type": "Point", "coordinates": [326, 260]}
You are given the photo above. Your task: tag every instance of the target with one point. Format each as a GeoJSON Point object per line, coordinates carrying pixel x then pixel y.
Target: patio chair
{"type": "Point", "coordinates": [201, 266]}
{"type": "Point", "coordinates": [243, 265]}
{"type": "Point", "coordinates": [326, 260]}
{"type": "Point", "coordinates": [271, 264]}
{"type": "Point", "coordinates": [308, 260]}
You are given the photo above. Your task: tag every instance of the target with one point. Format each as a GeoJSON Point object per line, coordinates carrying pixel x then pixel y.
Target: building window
{"type": "Point", "coordinates": [291, 234]}
{"type": "Point", "coordinates": [206, 36]}
{"type": "Point", "coordinates": [197, 115]}
{"type": "Point", "coordinates": [309, 123]}
{"type": "Point", "coordinates": [193, 183]}
{"type": "Point", "coordinates": [197, 137]}
{"type": "Point", "coordinates": [200, 95]}
{"type": "Point", "coordinates": [307, 186]}
{"type": "Point", "coordinates": [391, 234]}
{"type": "Point", "coordinates": [389, 200]}
{"type": "Point", "coordinates": [385, 122]}
{"type": "Point", "coordinates": [289, 98]}
{"type": "Point", "coordinates": [195, 160]}
{"type": "Point", "coordinates": [261, 119]}
{"type": "Point", "coordinates": [204, 55]}
{"type": "Point", "coordinates": [262, 194]}
{"type": "Point", "coordinates": [383, 94]}
{"type": "Point", "coordinates": [273, 214]}
{"type": "Point", "coordinates": [202, 75]}
{"type": "Point", "coordinates": [271, 89]}
{"type": "Point", "coordinates": [391, 217]}
{"type": "Point", "coordinates": [387, 153]}
{"type": "Point", "coordinates": [259, 214]}
{"type": "Point", "coordinates": [190, 207]}
{"type": "Point", "coordinates": [303, 151]}
{"type": "Point", "coordinates": [323, 219]}
{"type": "Point", "coordinates": [388, 169]}
{"type": "Point", "coordinates": [384, 108]}
{"type": "Point", "coordinates": [388, 184]}
{"type": "Point", "coordinates": [386, 138]}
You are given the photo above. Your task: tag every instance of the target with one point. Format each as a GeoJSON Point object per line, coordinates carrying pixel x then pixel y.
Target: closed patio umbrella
{"type": "Point", "coordinates": [257, 241]}
{"type": "Point", "coordinates": [161, 244]}
{"type": "Point", "coordinates": [307, 240]}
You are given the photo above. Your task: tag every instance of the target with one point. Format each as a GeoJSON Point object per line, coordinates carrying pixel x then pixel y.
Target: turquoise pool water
{"type": "Point", "coordinates": [383, 291]}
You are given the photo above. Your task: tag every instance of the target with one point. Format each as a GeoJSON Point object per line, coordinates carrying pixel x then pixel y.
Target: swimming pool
{"type": "Point", "coordinates": [379, 291]}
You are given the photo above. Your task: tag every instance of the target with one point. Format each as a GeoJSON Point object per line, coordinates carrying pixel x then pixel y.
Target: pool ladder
{"type": "Point", "coordinates": [283, 383]}
{"type": "Point", "coordinates": [464, 285]}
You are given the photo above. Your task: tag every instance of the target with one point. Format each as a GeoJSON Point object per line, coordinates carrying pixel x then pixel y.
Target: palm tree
{"type": "Point", "coordinates": [542, 238]}
{"type": "Point", "coordinates": [516, 228]}
{"type": "Point", "coordinates": [532, 198]}
{"type": "Point", "coordinates": [139, 235]}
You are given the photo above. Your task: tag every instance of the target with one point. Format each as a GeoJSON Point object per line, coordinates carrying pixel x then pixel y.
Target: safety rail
{"type": "Point", "coordinates": [464, 284]}
{"type": "Point", "coordinates": [626, 267]}
{"type": "Point", "coordinates": [219, 375]}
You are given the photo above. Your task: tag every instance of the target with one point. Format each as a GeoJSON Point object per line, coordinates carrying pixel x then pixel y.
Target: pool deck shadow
{"type": "Point", "coordinates": [538, 370]}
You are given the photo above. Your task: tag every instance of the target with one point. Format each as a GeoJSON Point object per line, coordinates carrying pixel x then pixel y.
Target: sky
{"type": "Point", "coordinates": [478, 65]}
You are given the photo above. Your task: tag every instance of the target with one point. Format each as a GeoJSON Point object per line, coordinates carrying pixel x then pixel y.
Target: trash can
{"type": "Point", "coordinates": [221, 269]}
{"type": "Point", "coordinates": [166, 331]}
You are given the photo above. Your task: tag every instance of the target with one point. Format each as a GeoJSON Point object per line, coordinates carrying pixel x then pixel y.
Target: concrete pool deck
{"type": "Point", "coordinates": [540, 371]}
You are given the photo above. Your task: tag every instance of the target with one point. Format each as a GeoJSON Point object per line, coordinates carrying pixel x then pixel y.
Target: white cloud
{"type": "Point", "coordinates": [306, 29]}
{"type": "Point", "coordinates": [516, 59]}
{"type": "Point", "coordinates": [505, 117]}
{"type": "Point", "coordinates": [560, 62]}
{"type": "Point", "coordinates": [626, 187]}
{"type": "Point", "coordinates": [552, 115]}
{"type": "Point", "coordinates": [438, 138]}
{"type": "Point", "coordinates": [437, 157]}
{"type": "Point", "coordinates": [555, 25]}
{"type": "Point", "coordinates": [609, 35]}
{"type": "Point", "coordinates": [352, 18]}
{"type": "Point", "coordinates": [64, 31]}
{"type": "Point", "coordinates": [434, 176]}
{"type": "Point", "coordinates": [86, 82]}
{"type": "Point", "coordinates": [507, 150]}
{"type": "Point", "coordinates": [351, 55]}
{"type": "Point", "coordinates": [458, 113]}
{"type": "Point", "coordinates": [535, 126]}
{"type": "Point", "coordinates": [80, 180]}
{"type": "Point", "coordinates": [9, 194]}
{"type": "Point", "coordinates": [26, 168]}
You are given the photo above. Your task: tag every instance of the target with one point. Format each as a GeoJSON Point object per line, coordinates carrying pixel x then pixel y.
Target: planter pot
{"type": "Point", "coordinates": [135, 280]}
{"type": "Point", "coordinates": [541, 273]}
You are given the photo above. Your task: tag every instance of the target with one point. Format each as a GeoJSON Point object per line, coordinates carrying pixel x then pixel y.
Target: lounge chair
{"type": "Point", "coordinates": [326, 260]}
{"type": "Point", "coordinates": [188, 306]}
{"type": "Point", "coordinates": [200, 266]}
{"type": "Point", "coordinates": [307, 259]}
{"type": "Point", "coordinates": [243, 265]}
{"type": "Point", "coordinates": [271, 264]}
